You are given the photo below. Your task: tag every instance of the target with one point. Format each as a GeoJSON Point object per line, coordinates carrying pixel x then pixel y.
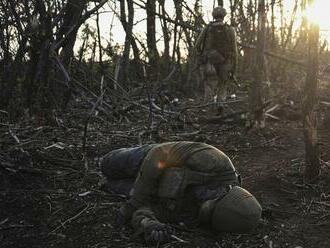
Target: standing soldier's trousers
{"type": "Point", "coordinates": [209, 81]}
{"type": "Point", "coordinates": [215, 79]}
{"type": "Point", "coordinates": [223, 76]}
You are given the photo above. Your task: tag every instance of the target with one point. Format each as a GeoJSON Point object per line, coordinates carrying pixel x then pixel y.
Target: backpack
{"type": "Point", "coordinates": [218, 41]}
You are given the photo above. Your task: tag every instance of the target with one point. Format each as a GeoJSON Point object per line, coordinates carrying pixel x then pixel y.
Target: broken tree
{"type": "Point", "coordinates": [312, 169]}
{"type": "Point", "coordinates": [260, 76]}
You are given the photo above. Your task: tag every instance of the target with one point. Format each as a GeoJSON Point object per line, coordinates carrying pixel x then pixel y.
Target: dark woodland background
{"type": "Point", "coordinates": [62, 107]}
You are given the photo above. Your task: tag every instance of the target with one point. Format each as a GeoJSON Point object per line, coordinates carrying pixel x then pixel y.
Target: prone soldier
{"type": "Point", "coordinates": [179, 182]}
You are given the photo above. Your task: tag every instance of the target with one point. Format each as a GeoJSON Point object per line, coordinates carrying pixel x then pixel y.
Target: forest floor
{"type": "Point", "coordinates": [50, 183]}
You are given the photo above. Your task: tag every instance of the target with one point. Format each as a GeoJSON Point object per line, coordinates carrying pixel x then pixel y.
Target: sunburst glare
{"type": "Point", "coordinates": [318, 13]}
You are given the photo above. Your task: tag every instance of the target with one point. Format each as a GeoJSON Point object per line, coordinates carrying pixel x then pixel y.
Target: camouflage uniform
{"type": "Point", "coordinates": [121, 166]}
{"type": "Point", "coordinates": [216, 49]}
{"type": "Point", "coordinates": [171, 175]}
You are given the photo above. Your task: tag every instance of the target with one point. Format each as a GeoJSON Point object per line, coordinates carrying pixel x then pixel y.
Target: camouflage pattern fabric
{"type": "Point", "coordinates": [216, 49]}
{"type": "Point", "coordinates": [150, 163]}
{"type": "Point", "coordinates": [197, 157]}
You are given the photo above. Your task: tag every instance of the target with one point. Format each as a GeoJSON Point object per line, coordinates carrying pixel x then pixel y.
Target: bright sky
{"type": "Point", "coordinates": [318, 13]}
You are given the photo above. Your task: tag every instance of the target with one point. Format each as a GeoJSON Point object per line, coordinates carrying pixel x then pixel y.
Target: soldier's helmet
{"type": "Point", "coordinates": [219, 12]}
{"type": "Point", "coordinates": [238, 211]}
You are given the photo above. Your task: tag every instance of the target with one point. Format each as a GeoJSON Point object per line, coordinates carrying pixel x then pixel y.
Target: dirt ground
{"type": "Point", "coordinates": [50, 194]}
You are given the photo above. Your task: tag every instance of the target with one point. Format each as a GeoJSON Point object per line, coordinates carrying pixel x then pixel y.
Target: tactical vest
{"type": "Point", "coordinates": [170, 168]}
{"type": "Point", "coordinates": [193, 163]}
{"type": "Point", "coordinates": [218, 38]}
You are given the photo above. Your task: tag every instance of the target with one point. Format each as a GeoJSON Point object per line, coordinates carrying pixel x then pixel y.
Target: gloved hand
{"type": "Point", "coordinates": [156, 232]}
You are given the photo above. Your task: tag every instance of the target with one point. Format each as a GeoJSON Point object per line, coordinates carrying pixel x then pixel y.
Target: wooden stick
{"type": "Point", "coordinates": [70, 219]}
{"type": "Point", "coordinates": [178, 239]}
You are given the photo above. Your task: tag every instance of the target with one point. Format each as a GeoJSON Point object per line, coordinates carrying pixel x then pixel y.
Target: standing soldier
{"type": "Point", "coordinates": [216, 51]}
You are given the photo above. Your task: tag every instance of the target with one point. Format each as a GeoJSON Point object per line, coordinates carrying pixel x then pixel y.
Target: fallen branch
{"type": "Point", "coordinates": [4, 221]}
{"type": "Point", "coordinates": [212, 104]}
{"type": "Point", "coordinates": [70, 219]}
{"type": "Point", "coordinates": [272, 116]}
{"type": "Point", "coordinates": [325, 103]}
{"type": "Point", "coordinates": [178, 239]}
{"type": "Point", "coordinates": [230, 118]}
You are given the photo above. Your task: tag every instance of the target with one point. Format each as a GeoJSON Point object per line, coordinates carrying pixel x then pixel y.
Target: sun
{"type": "Point", "coordinates": [318, 13]}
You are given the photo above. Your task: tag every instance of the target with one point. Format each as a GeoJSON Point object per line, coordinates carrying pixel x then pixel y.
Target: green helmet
{"type": "Point", "coordinates": [219, 12]}
{"type": "Point", "coordinates": [238, 211]}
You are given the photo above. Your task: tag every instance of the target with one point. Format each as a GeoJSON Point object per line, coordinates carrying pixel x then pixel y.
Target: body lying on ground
{"type": "Point", "coordinates": [191, 183]}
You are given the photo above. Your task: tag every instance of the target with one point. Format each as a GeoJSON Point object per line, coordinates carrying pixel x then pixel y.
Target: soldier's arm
{"type": "Point", "coordinates": [146, 184]}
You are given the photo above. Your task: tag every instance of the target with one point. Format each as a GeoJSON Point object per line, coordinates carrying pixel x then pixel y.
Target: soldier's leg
{"type": "Point", "coordinates": [210, 83]}
{"type": "Point", "coordinates": [120, 167]}
{"type": "Point", "coordinates": [207, 90]}
{"type": "Point", "coordinates": [200, 82]}
{"type": "Point", "coordinates": [223, 77]}
{"type": "Point", "coordinates": [203, 78]}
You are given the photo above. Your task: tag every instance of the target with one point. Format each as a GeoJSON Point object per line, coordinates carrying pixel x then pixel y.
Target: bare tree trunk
{"type": "Point", "coordinates": [5, 60]}
{"type": "Point", "coordinates": [193, 81]}
{"type": "Point", "coordinates": [244, 32]}
{"type": "Point", "coordinates": [290, 27]}
{"type": "Point", "coordinates": [179, 18]}
{"type": "Point", "coordinates": [175, 34]}
{"type": "Point", "coordinates": [286, 36]}
{"type": "Point", "coordinates": [72, 14]}
{"type": "Point", "coordinates": [124, 59]}
{"type": "Point", "coordinates": [166, 33]}
{"type": "Point", "coordinates": [73, 11]}
{"type": "Point", "coordinates": [167, 38]}
{"type": "Point", "coordinates": [178, 48]}
{"type": "Point", "coordinates": [273, 37]}
{"type": "Point", "coordinates": [99, 41]}
{"type": "Point", "coordinates": [301, 42]}
{"type": "Point", "coordinates": [38, 93]}
{"type": "Point", "coordinates": [233, 7]}
{"type": "Point", "coordinates": [136, 52]}
{"type": "Point", "coordinates": [312, 169]}
{"type": "Point", "coordinates": [127, 22]}
{"type": "Point", "coordinates": [153, 55]}
{"type": "Point", "coordinates": [256, 91]}
{"type": "Point", "coordinates": [282, 27]}
{"type": "Point", "coordinates": [252, 14]}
